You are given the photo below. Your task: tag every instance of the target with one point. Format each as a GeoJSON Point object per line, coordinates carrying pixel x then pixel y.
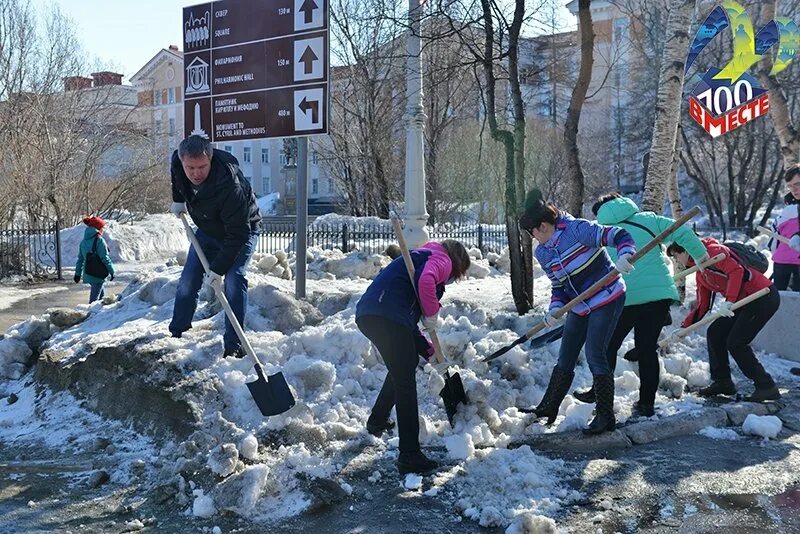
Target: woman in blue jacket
{"type": "Point", "coordinates": [572, 253]}
{"type": "Point", "coordinates": [388, 314]}
{"type": "Point", "coordinates": [93, 243]}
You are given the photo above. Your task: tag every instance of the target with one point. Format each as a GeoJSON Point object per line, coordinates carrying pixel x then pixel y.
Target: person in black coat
{"type": "Point", "coordinates": [208, 184]}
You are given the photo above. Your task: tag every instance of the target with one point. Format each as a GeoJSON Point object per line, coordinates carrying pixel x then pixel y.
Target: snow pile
{"type": "Point", "coordinates": [532, 524]}
{"type": "Point", "coordinates": [460, 446]}
{"type": "Point", "coordinates": [153, 238]}
{"type": "Point", "coordinates": [268, 204]}
{"type": "Point", "coordinates": [332, 264]}
{"type": "Point", "coordinates": [276, 265]}
{"type": "Point", "coordinates": [719, 433]}
{"type": "Point", "coordinates": [500, 484]}
{"type": "Point", "coordinates": [766, 426]}
{"type": "Point", "coordinates": [412, 482]}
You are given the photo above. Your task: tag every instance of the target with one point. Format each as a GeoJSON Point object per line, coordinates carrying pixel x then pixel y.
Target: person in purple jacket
{"type": "Point", "coordinates": [388, 313]}
{"type": "Point", "coordinates": [786, 257]}
{"type": "Point", "coordinates": [571, 251]}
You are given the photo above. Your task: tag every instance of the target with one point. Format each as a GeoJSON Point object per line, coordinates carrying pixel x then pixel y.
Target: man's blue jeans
{"type": "Point", "coordinates": [96, 292]}
{"type": "Point", "coordinates": [595, 330]}
{"type": "Point", "coordinates": [192, 280]}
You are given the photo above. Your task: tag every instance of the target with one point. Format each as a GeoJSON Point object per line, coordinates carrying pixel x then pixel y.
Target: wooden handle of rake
{"type": "Point", "coordinates": [398, 230]}
{"type": "Point", "coordinates": [683, 332]}
{"type": "Point", "coordinates": [708, 263]}
{"type": "Point", "coordinates": [600, 284]}
{"type": "Point", "coordinates": [774, 235]}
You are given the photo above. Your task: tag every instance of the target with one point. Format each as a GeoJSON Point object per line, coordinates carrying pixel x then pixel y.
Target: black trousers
{"type": "Point", "coordinates": [784, 273]}
{"type": "Point", "coordinates": [734, 334]}
{"type": "Point", "coordinates": [646, 320]}
{"type": "Point", "coordinates": [396, 344]}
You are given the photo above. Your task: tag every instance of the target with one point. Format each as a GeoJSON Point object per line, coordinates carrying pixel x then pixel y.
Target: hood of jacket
{"type": "Point", "coordinates": [617, 210]}
{"type": "Point", "coordinates": [89, 233]}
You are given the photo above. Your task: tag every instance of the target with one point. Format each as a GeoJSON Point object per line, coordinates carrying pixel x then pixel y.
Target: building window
{"type": "Point", "coordinates": [284, 159]}
{"type": "Point", "coordinates": [314, 157]}
{"type": "Point", "coordinates": [229, 149]}
{"type": "Point", "coordinates": [172, 129]}
{"type": "Point", "coordinates": [248, 154]}
{"type": "Point", "coordinates": [314, 186]}
{"type": "Point", "coordinates": [266, 185]}
{"type": "Point", "coordinates": [157, 94]}
{"type": "Point", "coordinates": [265, 155]}
{"type": "Point", "coordinates": [171, 95]}
{"type": "Point", "coordinates": [330, 186]}
{"type": "Point", "coordinates": [158, 126]}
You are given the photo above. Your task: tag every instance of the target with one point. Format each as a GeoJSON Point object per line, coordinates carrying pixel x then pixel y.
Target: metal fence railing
{"type": "Point", "coordinates": [30, 251]}
{"type": "Point", "coordinates": [372, 237]}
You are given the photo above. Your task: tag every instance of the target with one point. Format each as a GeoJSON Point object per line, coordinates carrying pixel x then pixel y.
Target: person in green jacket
{"type": "Point", "coordinates": [650, 291]}
{"type": "Point", "coordinates": [93, 243]}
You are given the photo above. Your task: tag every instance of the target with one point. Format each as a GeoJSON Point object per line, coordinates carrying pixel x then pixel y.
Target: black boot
{"type": "Point", "coordinates": [585, 396]}
{"type": "Point", "coordinates": [378, 428]}
{"type": "Point", "coordinates": [718, 387]}
{"type": "Point", "coordinates": [762, 394]}
{"type": "Point", "coordinates": [557, 389]}
{"type": "Point", "coordinates": [643, 410]}
{"type": "Point", "coordinates": [415, 462]}
{"type": "Point", "coordinates": [604, 411]}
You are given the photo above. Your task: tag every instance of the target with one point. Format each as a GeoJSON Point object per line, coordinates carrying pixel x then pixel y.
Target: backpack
{"type": "Point", "coordinates": [748, 255]}
{"type": "Point", "coordinates": [94, 265]}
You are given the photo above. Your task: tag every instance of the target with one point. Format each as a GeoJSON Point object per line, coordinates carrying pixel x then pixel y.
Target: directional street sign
{"type": "Point", "coordinates": [256, 69]}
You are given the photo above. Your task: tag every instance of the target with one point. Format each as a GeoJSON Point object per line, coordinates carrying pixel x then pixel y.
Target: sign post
{"type": "Point", "coordinates": [258, 69]}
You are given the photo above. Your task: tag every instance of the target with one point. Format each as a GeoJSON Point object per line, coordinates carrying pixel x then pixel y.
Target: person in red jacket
{"type": "Point", "coordinates": [733, 332]}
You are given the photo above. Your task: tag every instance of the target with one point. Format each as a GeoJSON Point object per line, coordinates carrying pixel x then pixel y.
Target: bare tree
{"type": "Point", "coordinates": [668, 104]}
{"type": "Point", "coordinates": [574, 175]}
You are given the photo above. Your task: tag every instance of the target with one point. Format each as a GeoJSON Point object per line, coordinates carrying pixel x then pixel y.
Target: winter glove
{"type": "Point", "coordinates": [623, 264]}
{"type": "Point", "coordinates": [725, 309]}
{"type": "Point", "coordinates": [431, 322]}
{"type": "Point", "coordinates": [549, 320]}
{"type": "Point", "coordinates": [795, 242]}
{"type": "Point", "coordinates": [702, 259]}
{"type": "Point", "coordinates": [77, 278]}
{"type": "Point", "coordinates": [177, 208]}
{"type": "Point", "coordinates": [214, 280]}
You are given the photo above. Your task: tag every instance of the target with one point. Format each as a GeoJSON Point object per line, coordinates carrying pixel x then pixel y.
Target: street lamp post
{"type": "Point", "coordinates": [416, 214]}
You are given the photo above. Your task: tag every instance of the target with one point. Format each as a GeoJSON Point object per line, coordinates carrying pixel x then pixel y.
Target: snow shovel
{"type": "Point", "coordinates": [600, 284]}
{"type": "Point", "coordinates": [453, 391]}
{"type": "Point", "coordinates": [272, 395]}
{"type": "Point", "coordinates": [775, 235]}
{"type": "Point", "coordinates": [683, 332]}
{"type": "Point", "coordinates": [558, 332]}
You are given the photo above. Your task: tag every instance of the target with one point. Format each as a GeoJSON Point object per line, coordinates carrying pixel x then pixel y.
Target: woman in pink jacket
{"type": "Point", "coordinates": [786, 258]}
{"type": "Point", "coordinates": [388, 314]}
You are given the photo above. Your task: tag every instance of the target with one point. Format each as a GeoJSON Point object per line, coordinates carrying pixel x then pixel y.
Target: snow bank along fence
{"type": "Point", "coordinates": [372, 237]}
{"type": "Point", "coordinates": [30, 250]}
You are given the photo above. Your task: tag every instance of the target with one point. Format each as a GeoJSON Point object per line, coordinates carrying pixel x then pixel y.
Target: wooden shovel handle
{"type": "Point", "coordinates": [683, 332]}
{"type": "Point", "coordinates": [774, 235]}
{"type": "Point", "coordinates": [398, 230]}
{"type": "Point", "coordinates": [708, 263]}
{"type": "Point", "coordinates": [613, 274]}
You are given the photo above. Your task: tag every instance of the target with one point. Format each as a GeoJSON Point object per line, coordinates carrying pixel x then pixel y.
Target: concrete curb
{"type": "Point", "coordinates": [649, 431]}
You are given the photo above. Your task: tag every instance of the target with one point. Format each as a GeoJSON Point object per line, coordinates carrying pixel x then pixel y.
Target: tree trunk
{"type": "Point", "coordinates": [668, 104]}
{"type": "Point", "coordinates": [779, 110]}
{"type": "Point", "coordinates": [574, 174]}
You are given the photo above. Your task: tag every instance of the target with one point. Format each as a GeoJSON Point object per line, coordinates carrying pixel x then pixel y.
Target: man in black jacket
{"type": "Point", "coordinates": [208, 184]}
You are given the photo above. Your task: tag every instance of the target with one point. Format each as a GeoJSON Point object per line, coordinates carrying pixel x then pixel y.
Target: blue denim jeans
{"type": "Point", "coordinates": [96, 292]}
{"type": "Point", "coordinates": [192, 280]}
{"type": "Point", "coordinates": [595, 330]}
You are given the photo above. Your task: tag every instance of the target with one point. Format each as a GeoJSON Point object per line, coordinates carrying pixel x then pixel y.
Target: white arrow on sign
{"type": "Point", "coordinates": [309, 109]}
{"type": "Point", "coordinates": [308, 14]}
{"type": "Point", "coordinates": [309, 59]}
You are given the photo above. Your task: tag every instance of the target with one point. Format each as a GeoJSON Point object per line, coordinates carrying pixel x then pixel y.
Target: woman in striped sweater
{"type": "Point", "coordinates": [572, 253]}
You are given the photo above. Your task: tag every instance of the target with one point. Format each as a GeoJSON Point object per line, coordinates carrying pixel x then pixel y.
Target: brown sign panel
{"type": "Point", "coordinates": [231, 22]}
{"type": "Point", "coordinates": [283, 112]}
{"type": "Point", "coordinates": [256, 68]}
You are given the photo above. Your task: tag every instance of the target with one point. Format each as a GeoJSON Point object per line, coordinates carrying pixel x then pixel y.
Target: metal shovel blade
{"type": "Point", "coordinates": [452, 393]}
{"type": "Point", "coordinates": [547, 337]}
{"type": "Point", "coordinates": [272, 396]}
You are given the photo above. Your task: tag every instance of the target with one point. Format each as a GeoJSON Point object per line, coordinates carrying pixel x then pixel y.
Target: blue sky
{"type": "Point", "coordinates": [123, 35]}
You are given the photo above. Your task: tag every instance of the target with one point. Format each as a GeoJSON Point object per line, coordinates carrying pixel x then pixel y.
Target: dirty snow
{"type": "Point", "coordinates": [719, 433]}
{"type": "Point", "coordinates": [766, 426]}
{"type": "Point", "coordinates": [336, 374]}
